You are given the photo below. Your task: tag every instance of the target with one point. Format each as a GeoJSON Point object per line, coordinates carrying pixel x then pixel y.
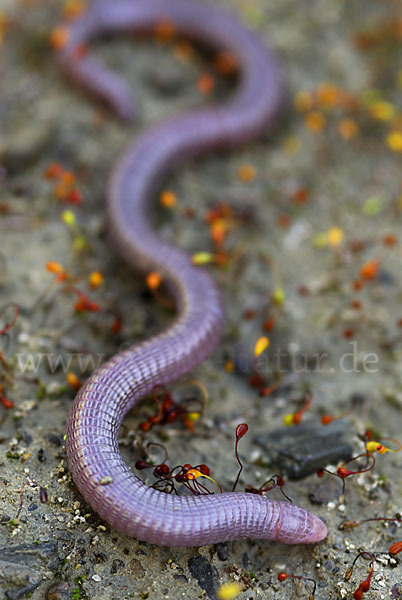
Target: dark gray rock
{"type": "Point", "coordinates": [168, 82]}
{"type": "Point", "coordinates": [24, 145]}
{"type": "Point", "coordinates": [205, 574]}
{"type": "Point", "coordinates": [328, 490]}
{"type": "Point", "coordinates": [59, 591]}
{"type": "Point", "coordinates": [301, 450]}
{"type": "Point", "coordinates": [136, 568]}
{"type": "Point", "coordinates": [222, 550]}
{"type": "Point", "coordinates": [55, 440]}
{"type": "Point", "coordinates": [117, 564]}
{"type": "Point", "coordinates": [20, 593]}
{"type": "Point", "coordinates": [28, 554]}
{"type": "Point", "coordinates": [21, 567]}
{"type": "Point", "coordinates": [4, 518]}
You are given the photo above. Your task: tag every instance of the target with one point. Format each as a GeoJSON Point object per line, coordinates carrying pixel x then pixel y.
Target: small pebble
{"type": "Point", "coordinates": [205, 574]}
{"type": "Point", "coordinates": [222, 550]}
{"type": "Point", "coordinates": [59, 591]}
{"type": "Point", "coordinates": [136, 568]}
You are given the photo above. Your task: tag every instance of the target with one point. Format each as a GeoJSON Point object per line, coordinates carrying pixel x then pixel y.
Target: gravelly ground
{"type": "Point", "coordinates": [309, 181]}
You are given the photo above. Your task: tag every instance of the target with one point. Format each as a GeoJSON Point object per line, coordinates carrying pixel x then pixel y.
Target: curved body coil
{"type": "Point", "coordinates": [92, 450]}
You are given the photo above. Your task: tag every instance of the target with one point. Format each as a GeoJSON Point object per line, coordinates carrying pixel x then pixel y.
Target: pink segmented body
{"type": "Point", "coordinates": [92, 450]}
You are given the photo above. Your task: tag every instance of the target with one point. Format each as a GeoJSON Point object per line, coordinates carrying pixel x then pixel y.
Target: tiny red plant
{"type": "Point", "coordinates": [43, 496]}
{"type": "Point", "coordinates": [11, 321]}
{"type": "Point", "coordinates": [327, 419]}
{"type": "Point", "coordinates": [395, 548]}
{"type": "Point", "coordinates": [390, 240]}
{"type": "Point", "coordinates": [241, 431]}
{"type": "Point", "coordinates": [185, 474]}
{"type": "Point", "coordinates": [268, 486]}
{"type": "Point", "coordinates": [351, 524]}
{"type": "Point", "coordinates": [296, 418]}
{"type": "Point", "coordinates": [169, 410]}
{"type": "Point", "coordinates": [282, 576]}
{"type": "Point", "coordinates": [343, 472]}
{"type": "Point", "coordinates": [64, 188]}
{"type": "Point", "coordinates": [6, 402]}
{"type": "Point", "coordinates": [83, 303]}
{"type": "Point", "coordinates": [364, 585]}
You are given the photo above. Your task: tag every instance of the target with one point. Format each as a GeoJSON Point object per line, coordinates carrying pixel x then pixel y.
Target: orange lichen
{"type": "Point", "coordinates": [59, 37]}
{"type": "Point", "coordinates": [165, 31]}
{"type": "Point", "coordinates": [348, 129]}
{"type": "Point", "coordinates": [53, 171]}
{"type": "Point", "coordinates": [206, 84]}
{"type": "Point", "coordinates": [301, 196]}
{"type": "Point", "coordinates": [54, 267]}
{"type": "Point", "coordinates": [304, 101]}
{"type": "Point", "coordinates": [153, 280]}
{"type": "Point", "coordinates": [72, 9]}
{"type": "Point", "coordinates": [327, 95]}
{"type": "Point", "coordinates": [226, 63]}
{"type": "Point", "coordinates": [315, 121]}
{"type": "Point", "coordinates": [168, 199]}
{"type": "Point", "coordinates": [369, 270]}
{"type": "Point", "coordinates": [390, 240]}
{"type": "Point", "coordinates": [246, 173]}
{"type": "Point", "coordinates": [73, 381]}
{"type": "Point", "coordinates": [95, 279]}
